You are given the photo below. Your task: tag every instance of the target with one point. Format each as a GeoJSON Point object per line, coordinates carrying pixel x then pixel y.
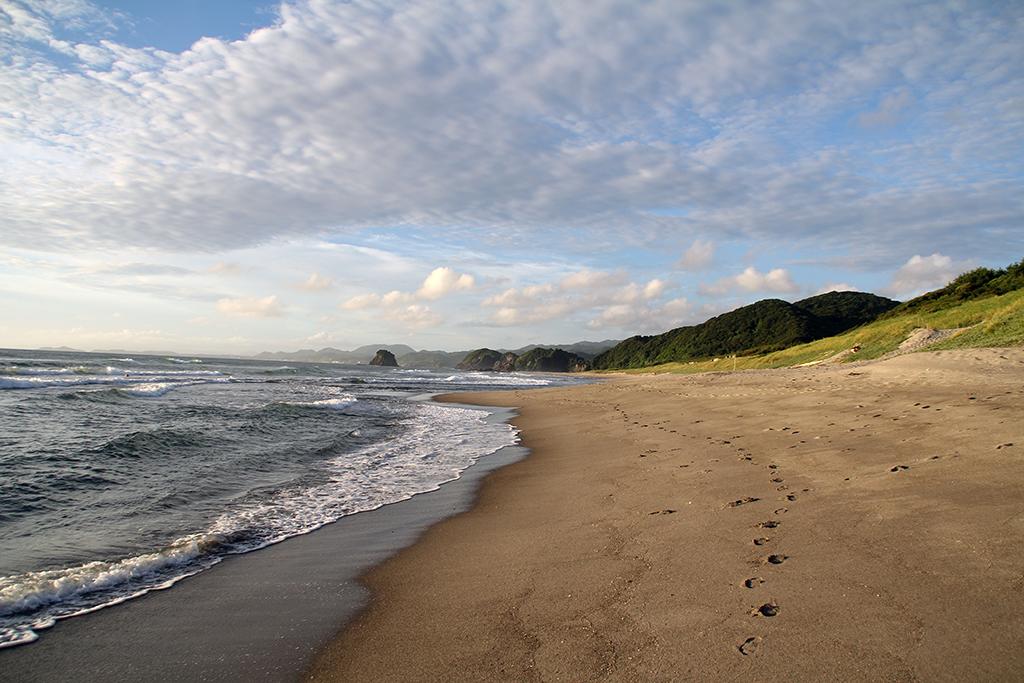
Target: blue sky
{"type": "Point", "coordinates": [234, 177]}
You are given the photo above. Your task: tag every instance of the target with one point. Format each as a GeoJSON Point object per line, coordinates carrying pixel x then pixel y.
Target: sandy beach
{"type": "Point", "coordinates": [851, 522]}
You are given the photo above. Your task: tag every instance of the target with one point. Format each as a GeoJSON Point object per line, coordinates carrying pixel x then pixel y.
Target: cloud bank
{"type": "Point", "coordinates": [501, 121]}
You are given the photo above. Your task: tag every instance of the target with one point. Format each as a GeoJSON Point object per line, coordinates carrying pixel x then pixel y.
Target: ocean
{"type": "Point", "coordinates": [126, 474]}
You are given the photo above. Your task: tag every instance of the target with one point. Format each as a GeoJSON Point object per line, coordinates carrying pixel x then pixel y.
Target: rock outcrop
{"type": "Point", "coordinates": [384, 358]}
{"type": "Point", "coordinates": [551, 360]}
{"type": "Point", "coordinates": [507, 362]}
{"type": "Point", "coordinates": [534, 360]}
{"type": "Point", "coordinates": [481, 359]}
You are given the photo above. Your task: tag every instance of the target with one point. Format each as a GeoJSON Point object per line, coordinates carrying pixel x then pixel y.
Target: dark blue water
{"type": "Point", "coordinates": [121, 475]}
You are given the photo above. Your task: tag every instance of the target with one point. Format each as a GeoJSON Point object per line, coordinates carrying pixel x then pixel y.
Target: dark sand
{"type": "Point", "coordinates": [261, 616]}
{"type": "Point", "coordinates": [829, 523]}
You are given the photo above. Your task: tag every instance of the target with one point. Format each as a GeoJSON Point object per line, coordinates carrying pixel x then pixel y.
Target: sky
{"type": "Point", "coordinates": [232, 177]}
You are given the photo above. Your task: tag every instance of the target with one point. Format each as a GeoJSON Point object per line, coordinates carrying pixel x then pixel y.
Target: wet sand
{"type": "Point", "coordinates": [854, 522]}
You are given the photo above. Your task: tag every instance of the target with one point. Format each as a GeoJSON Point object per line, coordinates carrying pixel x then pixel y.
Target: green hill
{"type": "Point", "coordinates": [551, 360]}
{"type": "Point", "coordinates": [837, 312]}
{"type": "Point", "coordinates": [985, 310]}
{"type": "Point", "coordinates": [761, 327]}
{"type": "Point", "coordinates": [975, 284]}
{"type": "Point", "coordinates": [480, 359]}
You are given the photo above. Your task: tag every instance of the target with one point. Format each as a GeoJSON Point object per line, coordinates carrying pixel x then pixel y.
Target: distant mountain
{"type": "Point", "coordinates": [141, 353]}
{"type": "Point", "coordinates": [58, 348]}
{"type": "Point", "coordinates": [761, 327]}
{"type": "Point", "coordinates": [584, 349]}
{"type": "Point", "coordinates": [409, 357]}
{"type": "Point", "coordinates": [328, 354]}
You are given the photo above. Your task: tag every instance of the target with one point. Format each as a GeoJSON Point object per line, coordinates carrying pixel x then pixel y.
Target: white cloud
{"type": "Point", "coordinates": [526, 315]}
{"type": "Point", "coordinates": [922, 273]}
{"type": "Point", "coordinates": [700, 255]}
{"type": "Point", "coordinates": [415, 316]}
{"type": "Point", "coordinates": [361, 301]}
{"type": "Point", "coordinates": [616, 301]}
{"type": "Point", "coordinates": [654, 289]}
{"type": "Point", "coordinates": [520, 297]}
{"type": "Point", "coordinates": [604, 113]}
{"type": "Point", "coordinates": [837, 287]}
{"type": "Point", "coordinates": [442, 281]}
{"type": "Point", "coordinates": [396, 298]}
{"type": "Point", "coordinates": [644, 318]}
{"type": "Point", "coordinates": [752, 280]}
{"type": "Point", "coordinates": [317, 283]}
{"type": "Point", "coordinates": [246, 307]}
{"type": "Point", "coordinates": [592, 279]}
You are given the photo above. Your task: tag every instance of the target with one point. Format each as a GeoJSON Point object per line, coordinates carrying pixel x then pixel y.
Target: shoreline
{"type": "Point", "coordinates": [878, 536]}
{"type": "Point", "coordinates": [260, 615]}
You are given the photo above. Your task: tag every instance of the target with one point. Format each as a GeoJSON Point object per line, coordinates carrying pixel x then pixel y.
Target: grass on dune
{"type": "Point", "coordinates": [994, 321]}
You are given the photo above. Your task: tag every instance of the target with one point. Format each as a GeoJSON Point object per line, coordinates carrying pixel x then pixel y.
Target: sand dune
{"type": "Point", "coordinates": [824, 523]}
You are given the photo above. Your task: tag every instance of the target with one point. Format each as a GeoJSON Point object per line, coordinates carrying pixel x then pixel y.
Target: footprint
{"type": "Point", "coordinates": [749, 646]}
{"type": "Point", "coordinates": [773, 466]}
{"type": "Point", "coordinates": [753, 582]}
{"type": "Point", "coordinates": [777, 559]}
{"type": "Point", "coordinates": [1003, 445]}
{"type": "Point", "coordinates": [791, 497]}
{"type": "Point", "coordinates": [768, 609]}
{"type": "Point", "coordinates": [897, 468]}
{"type": "Point", "coordinates": [743, 501]}
{"type": "Point", "coordinates": [760, 541]}
{"type": "Point", "coordinates": [781, 511]}
{"type": "Point", "coordinates": [777, 480]}
{"type": "Point", "coordinates": [770, 524]}
{"type": "Point", "coordinates": [662, 512]}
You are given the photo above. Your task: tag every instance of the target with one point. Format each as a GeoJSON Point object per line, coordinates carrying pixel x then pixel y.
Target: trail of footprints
{"type": "Point", "coordinates": [769, 608]}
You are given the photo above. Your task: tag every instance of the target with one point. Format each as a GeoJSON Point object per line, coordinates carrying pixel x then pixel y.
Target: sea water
{"type": "Point", "coordinates": [120, 475]}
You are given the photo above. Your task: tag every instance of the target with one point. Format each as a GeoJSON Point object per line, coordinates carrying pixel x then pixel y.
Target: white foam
{"type": "Point", "coordinates": [337, 403]}
{"type": "Point", "coordinates": [472, 378]}
{"type": "Point", "coordinates": [50, 381]}
{"type": "Point", "coordinates": [184, 360]}
{"type": "Point", "coordinates": [153, 388]}
{"type": "Point", "coordinates": [29, 592]}
{"type": "Point", "coordinates": [105, 380]}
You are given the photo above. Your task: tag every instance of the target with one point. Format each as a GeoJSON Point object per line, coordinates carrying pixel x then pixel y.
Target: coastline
{"type": "Point", "coordinates": [873, 511]}
{"type": "Point", "coordinates": [261, 615]}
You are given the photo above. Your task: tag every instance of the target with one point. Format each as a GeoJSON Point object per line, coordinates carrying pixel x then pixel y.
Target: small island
{"type": "Point", "coordinates": [384, 358]}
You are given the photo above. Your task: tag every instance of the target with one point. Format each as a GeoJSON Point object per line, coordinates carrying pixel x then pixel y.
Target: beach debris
{"type": "Point", "coordinates": [662, 512]}
{"type": "Point", "coordinates": [749, 646]}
